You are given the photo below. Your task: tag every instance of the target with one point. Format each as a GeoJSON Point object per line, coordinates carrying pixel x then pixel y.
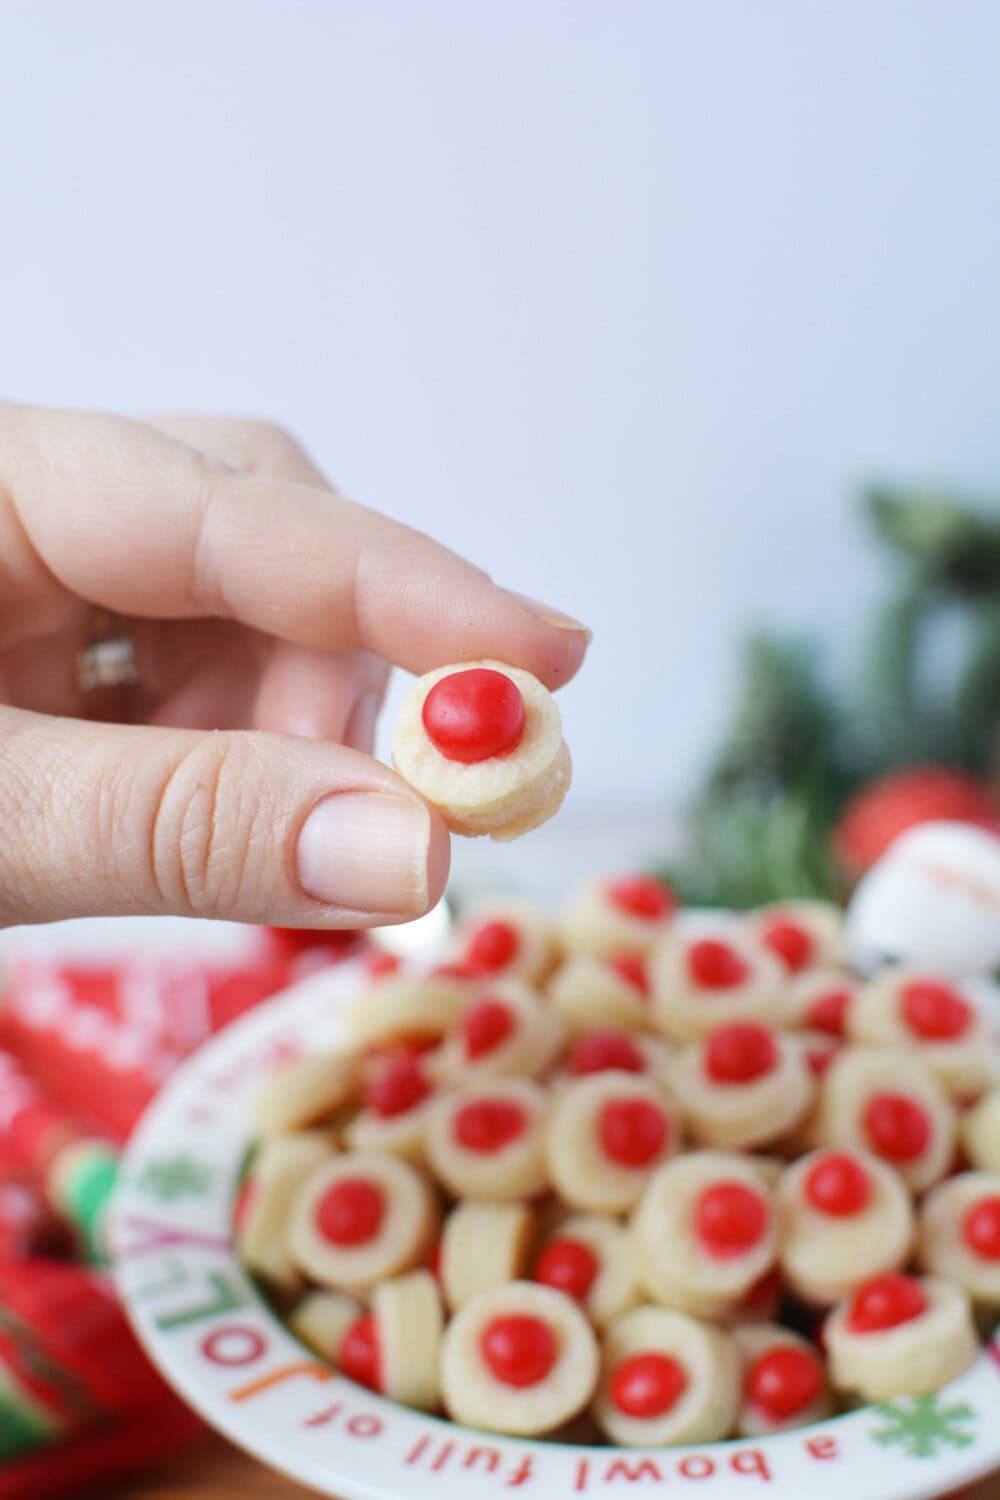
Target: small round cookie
{"type": "Point", "coordinates": [616, 915]}
{"type": "Point", "coordinates": [705, 978]}
{"type": "Point", "coordinates": [397, 1102]}
{"type": "Point", "coordinates": [901, 1008]}
{"type": "Point", "coordinates": [482, 742]}
{"type": "Point", "coordinates": [486, 1140]}
{"type": "Point", "coordinates": [607, 1133]}
{"type": "Point", "coordinates": [888, 1102]}
{"type": "Point", "coordinates": [281, 1165]}
{"type": "Point", "coordinates": [409, 1326]}
{"type": "Point", "coordinates": [502, 1031]}
{"type": "Point", "coordinates": [979, 1129]}
{"type": "Point", "coordinates": [801, 934]}
{"type": "Point", "coordinates": [401, 1009]}
{"type": "Point", "coordinates": [309, 1091]}
{"type": "Point", "coordinates": [606, 1049]}
{"type": "Point", "coordinates": [589, 1257]}
{"type": "Point", "coordinates": [589, 992]}
{"type": "Point", "coordinates": [321, 1321]}
{"type": "Point", "coordinates": [705, 1232]}
{"type": "Point", "coordinates": [784, 1382]}
{"type": "Point", "coordinates": [899, 1336]}
{"type": "Point", "coordinates": [506, 940]}
{"type": "Point", "coordinates": [666, 1378]}
{"type": "Point", "coordinates": [484, 1245]}
{"type": "Point", "coordinates": [846, 1216]}
{"type": "Point", "coordinates": [742, 1085]}
{"type": "Point", "coordinates": [360, 1218]}
{"type": "Point", "coordinates": [960, 1234]}
{"type": "Point", "coordinates": [521, 1359]}
{"type": "Point", "coordinates": [820, 1000]}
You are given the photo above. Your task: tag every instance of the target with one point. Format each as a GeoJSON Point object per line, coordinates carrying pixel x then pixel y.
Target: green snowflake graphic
{"type": "Point", "coordinates": [170, 1177]}
{"type": "Point", "coordinates": [921, 1425]}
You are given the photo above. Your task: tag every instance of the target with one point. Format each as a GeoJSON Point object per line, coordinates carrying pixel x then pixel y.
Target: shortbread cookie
{"type": "Point", "coordinates": [483, 743]}
{"type": "Point", "coordinates": [506, 939]}
{"type": "Point", "coordinates": [520, 1359]}
{"type": "Point", "coordinates": [607, 1133]}
{"type": "Point", "coordinates": [623, 914]}
{"type": "Point", "coordinates": [899, 1336]}
{"type": "Point", "coordinates": [846, 1217]}
{"type": "Point", "coordinates": [484, 1245]}
{"type": "Point", "coordinates": [706, 978]}
{"type": "Point", "coordinates": [901, 1008]}
{"type": "Point", "coordinates": [960, 1234]}
{"type": "Point", "coordinates": [784, 1382]}
{"type": "Point", "coordinates": [820, 1000]}
{"type": "Point", "coordinates": [401, 1009]}
{"type": "Point", "coordinates": [397, 1103]}
{"type": "Point", "coordinates": [666, 1378]}
{"type": "Point", "coordinates": [502, 1031]}
{"type": "Point", "coordinates": [281, 1165]}
{"type": "Point", "coordinates": [980, 1132]}
{"type": "Point", "coordinates": [888, 1102]}
{"type": "Point", "coordinates": [589, 992]}
{"type": "Point", "coordinates": [801, 934]}
{"type": "Point", "coordinates": [306, 1092]}
{"type": "Point", "coordinates": [742, 1085]}
{"type": "Point", "coordinates": [409, 1325]}
{"type": "Point", "coordinates": [360, 1218]}
{"type": "Point", "coordinates": [486, 1140]}
{"type": "Point", "coordinates": [322, 1319]}
{"type": "Point", "coordinates": [705, 1232]}
{"type": "Point", "coordinates": [589, 1258]}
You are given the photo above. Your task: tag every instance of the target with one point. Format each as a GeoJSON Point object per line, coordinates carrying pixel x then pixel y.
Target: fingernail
{"type": "Point", "coordinates": [548, 615]}
{"type": "Point", "coordinates": [359, 732]}
{"type": "Point", "coordinates": [366, 851]}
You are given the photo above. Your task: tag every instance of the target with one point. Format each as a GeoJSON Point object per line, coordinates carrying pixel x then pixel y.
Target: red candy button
{"type": "Point", "coordinates": [641, 896]}
{"type": "Point", "coordinates": [648, 1385]}
{"type": "Point", "coordinates": [829, 1012]}
{"type": "Point", "coordinates": [934, 1011]}
{"type": "Point", "coordinates": [360, 1357]}
{"type": "Point", "coordinates": [885, 1302]}
{"type": "Point", "coordinates": [568, 1265]}
{"type": "Point", "coordinates": [485, 1026]}
{"type": "Point", "coordinates": [399, 1087]}
{"type": "Point", "coordinates": [789, 942]}
{"type": "Point", "coordinates": [897, 1128]}
{"type": "Point", "coordinates": [351, 1211]}
{"type": "Point", "coordinates": [730, 1219]}
{"type": "Point", "coordinates": [783, 1382]}
{"type": "Point", "coordinates": [519, 1350]}
{"type": "Point", "coordinates": [632, 968]}
{"type": "Point", "coordinates": [838, 1185]}
{"type": "Point", "coordinates": [818, 1058]}
{"type": "Point", "coordinates": [716, 966]}
{"type": "Point", "coordinates": [488, 1125]}
{"type": "Point", "coordinates": [493, 946]}
{"type": "Point", "coordinates": [473, 715]}
{"type": "Point", "coordinates": [599, 1051]}
{"type": "Point", "coordinates": [740, 1053]}
{"type": "Point", "coordinates": [632, 1132]}
{"type": "Point", "coordinates": [981, 1228]}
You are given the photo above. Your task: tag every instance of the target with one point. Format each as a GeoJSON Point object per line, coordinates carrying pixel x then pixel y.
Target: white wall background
{"type": "Point", "coordinates": [621, 297]}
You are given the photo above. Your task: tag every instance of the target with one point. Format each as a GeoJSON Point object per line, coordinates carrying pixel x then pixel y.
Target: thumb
{"type": "Point", "coordinates": [254, 827]}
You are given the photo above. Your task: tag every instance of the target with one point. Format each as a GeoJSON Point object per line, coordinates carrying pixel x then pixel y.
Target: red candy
{"type": "Point", "coordinates": [520, 1350]}
{"type": "Point", "coordinates": [897, 1127]}
{"type": "Point", "coordinates": [632, 968]}
{"type": "Point", "coordinates": [493, 946]}
{"type": "Point", "coordinates": [818, 1059]}
{"type": "Point", "coordinates": [486, 1026]}
{"type": "Point", "coordinates": [829, 1012]}
{"type": "Point", "coordinates": [730, 1219]}
{"type": "Point", "coordinates": [488, 1125]}
{"type": "Point", "coordinates": [641, 896]}
{"type": "Point", "coordinates": [838, 1185]}
{"type": "Point", "coordinates": [715, 965]}
{"type": "Point", "coordinates": [473, 715]}
{"type": "Point", "coordinates": [632, 1132]}
{"type": "Point", "coordinates": [351, 1212]}
{"type": "Point", "coordinates": [599, 1051]}
{"type": "Point", "coordinates": [981, 1228]}
{"type": "Point", "coordinates": [569, 1266]}
{"type": "Point", "coordinates": [782, 1382]}
{"type": "Point", "coordinates": [740, 1053]}
{"type": "Point", "coordinates": [399, 1087]}
{"type": "Point", "coordinates": [789, 942]}
{"type": "Point", "coordinates": [885, 1302]}
{"type": "Point", "coordinates": [648, 1385]}
{"type": "Point", "coordinates": [934, 1012]}
{"type": "Point", "coordinates": [360, 1358]}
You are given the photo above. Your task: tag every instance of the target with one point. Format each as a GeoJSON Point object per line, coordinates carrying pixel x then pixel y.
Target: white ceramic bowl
{"type": "Point", "coordinates": [223, 1349]}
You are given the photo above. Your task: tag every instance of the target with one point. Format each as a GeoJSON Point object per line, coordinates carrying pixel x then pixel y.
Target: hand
{"type": "Point", "coordinates": [264, 611]}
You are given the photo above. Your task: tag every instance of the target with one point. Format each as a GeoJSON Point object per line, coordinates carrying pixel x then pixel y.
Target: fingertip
{"type": "Point", "coordinates": [438, 858]}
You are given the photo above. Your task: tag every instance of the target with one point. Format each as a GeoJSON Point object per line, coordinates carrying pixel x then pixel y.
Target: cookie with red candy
{"type": "Point", "coordinates": [281, 1165]}
{"type": "Point", "coordinates": [960, 1234]}
{"type": "Point", "coordinates": [784, 1381]}
{"type": "Point", "coordinates": [397, 1097]}
{"type": "Point", "coordinates": [742, 1085]}
{"type": "Point", "coordinates": [394, 1348]}
{"type": "Point", "coordinates": [607, 1132]}
{"type": "Point", "coordinates": [846, 1216]}
{"type": "Point", "coordinates": [503, 1030]}
{"type": "Point", "coordinates": [712, 974]}
{"type": "Point", "coordinates": [484, 1245]}
{"type": "Point", "coordinates": [608, 1049]}
{"type": "Point", "coordinates": [506, 939]}
{"type": "Point", "coordinates": [802, 935]}
{"type": "Point", "coordinates": [904, 1008]}
{"type": "Point", "coordinates": [405, 1009]}
{"type": "Point", "coordinates": [820, 1000]}
{"type": "Point", "coordinates": [705, 1232]}
{"type": "Point", "coordinates": [321, 1319]}
{"type": "Point", "coordinates": [888, 1102]}
{"type": "Point", "coordinates": [616, 915]}
{"type": "Point", "coordinates": [521, 1359]}
{"type": "Point", "coordinates": [483, 743]}
{"type": "Point", "coordinates": [589, 1258]}
{"type": "Point", "coordinates": [666, 1378]}
{"type": "Point", "coordinates": [308, 1091]}
{"type": "Point", "coordinates": [487, 1140]}
{"type": "Point", "coordinates": [899, 1335]}
{"type": "Point", "coordinates": [589, 992]}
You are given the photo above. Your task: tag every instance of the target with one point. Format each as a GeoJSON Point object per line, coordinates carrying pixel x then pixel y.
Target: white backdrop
{"type": "Point", "coordinates": [621, 297]}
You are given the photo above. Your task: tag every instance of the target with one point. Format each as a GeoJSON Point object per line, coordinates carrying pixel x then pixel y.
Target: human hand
{"type": "Point", "coordinates": [233, 778]}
